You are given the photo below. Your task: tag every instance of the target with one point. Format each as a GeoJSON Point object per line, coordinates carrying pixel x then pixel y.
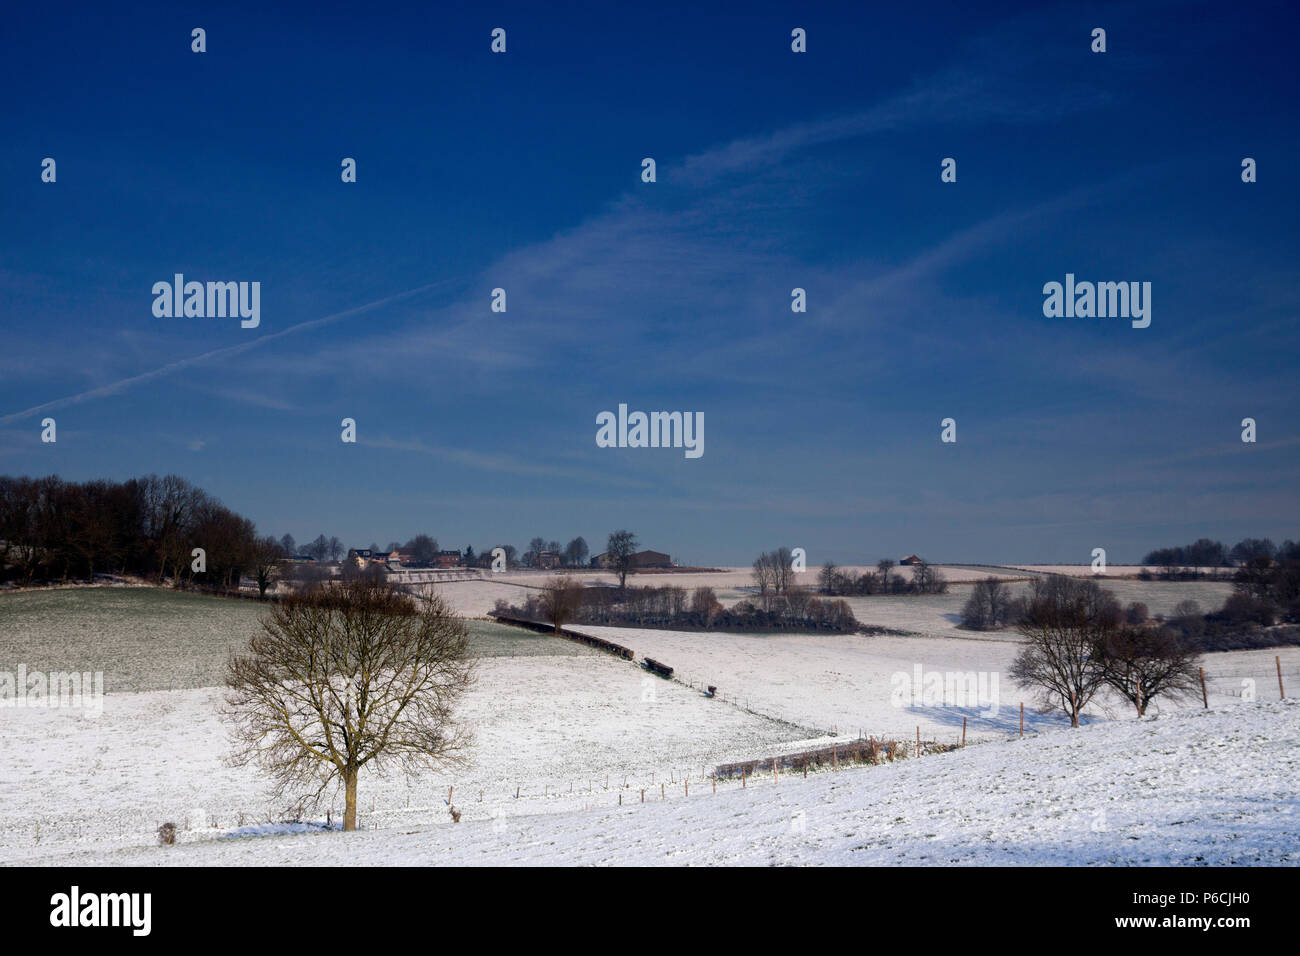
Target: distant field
{"type": "Point", "coordinates": [940, 614]}
{"type": "Point", "coordinates": [156, 639]}
{"type": "Point", "coordinates": [846, 681]}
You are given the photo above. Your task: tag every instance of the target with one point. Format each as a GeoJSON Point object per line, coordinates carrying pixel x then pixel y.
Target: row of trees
{"type": "Point", "coordinates": [1208, 553]}
{"type": "Point", "coordinates": [924, 579]}
{"type": "Point", "coordinates": [572, 555]}
{"type": "Point", "coordinates": [1265, 592]}
{"type": "Point", "coordinates": [321, 549]}
{"type": "Point", "coordinates": [563, 600]}
{"type": "Point", "coordinates": [56, 530]}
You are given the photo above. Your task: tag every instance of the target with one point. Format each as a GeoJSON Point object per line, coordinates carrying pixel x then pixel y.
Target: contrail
{"type": "Point", "coordinates": [123, 384]}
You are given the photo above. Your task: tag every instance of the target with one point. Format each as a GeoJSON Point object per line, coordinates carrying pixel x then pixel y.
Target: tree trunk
{"type": "Point", "coordinates": [350, 806]}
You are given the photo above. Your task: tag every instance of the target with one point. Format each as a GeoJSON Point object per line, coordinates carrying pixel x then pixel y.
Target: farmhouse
{"type": "Point", "coordinates": [447, 559]}
{"type": "Point", "coordinates": [642, 559]}
{"type": "Point", "coordinates": [365, 556]}
{"type": "Point", "coordinates": [910, 559]}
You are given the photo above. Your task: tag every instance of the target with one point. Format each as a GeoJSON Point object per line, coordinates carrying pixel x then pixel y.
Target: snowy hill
{"type": "Point", "coordinates": [1193, 787]}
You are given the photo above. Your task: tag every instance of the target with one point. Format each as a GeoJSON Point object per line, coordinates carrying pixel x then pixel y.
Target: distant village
{"type": "Point", "coordinates": [398, 560]}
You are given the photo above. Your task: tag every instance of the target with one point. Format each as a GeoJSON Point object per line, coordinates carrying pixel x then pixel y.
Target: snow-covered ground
{"type": "Point", "coordinates": [923, 614]}
{"type": "Point", "coordinates": [1209, 788]}
{"type": "Point", "coordinates": [940, 614]}
{"type": "Point", "coordinates": [547, 725]}
{"type": "Point", "coordinates": [575, 729]}
{"type": "Point", "coordinates": [845, 682]}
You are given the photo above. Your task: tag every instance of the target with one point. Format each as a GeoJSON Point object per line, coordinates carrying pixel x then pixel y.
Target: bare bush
{"type": "Point", "coordinates": [561, 598]}
{"type": "Point", "coordinates": [989, 607]}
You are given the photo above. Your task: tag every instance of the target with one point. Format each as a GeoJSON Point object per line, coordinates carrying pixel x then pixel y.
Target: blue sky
{"type": "Point", "coordinates": [775, 170]}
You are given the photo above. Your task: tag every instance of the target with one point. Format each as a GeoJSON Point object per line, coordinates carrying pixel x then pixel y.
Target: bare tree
{"type": "Point", "coordinates": [764, 577]}
{"type": "Point", "coordinates": [319, 548]}
{"type": "Point", "coordinates": [883, 567]}
{"type": "Point", "coordinates": [1064, 623]}
{"type": "Point", "coordinates": [989, 606]}
{"type": "Point", "coordinates": [705, 606]}
{"type": "Point", "coordinates": [1141, 663]}
{"type": "Point", "coordinates": [782, 570]}
{"type": "Point", "coordinates": [828, 578]}
{"type": "Point", "coordinates": [342, 678]}
{"type": "Point", "coordinates": [620, 548]}
{"type": "Point", "coordinates": [265, 561]}
{"type": "Point", "coordinates": [926, 579]}
{"type": "Point", "coordinates": [561, 598]}
{"type": "Point", "coordinates": [575, 552]}
{"type": "Point", "coordinates": [423, 549]}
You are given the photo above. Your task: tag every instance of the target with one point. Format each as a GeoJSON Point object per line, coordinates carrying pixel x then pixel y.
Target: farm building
{"type": "Point", "coordinates": [642, 559]}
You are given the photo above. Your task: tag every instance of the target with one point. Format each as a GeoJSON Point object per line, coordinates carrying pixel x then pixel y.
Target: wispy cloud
{"type": "Point", "coordinates": [213, 356]}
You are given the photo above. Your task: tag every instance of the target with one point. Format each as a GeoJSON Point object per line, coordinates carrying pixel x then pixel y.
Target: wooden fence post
{"type": "Point", "coordinates": [1277, 659]}
{"type": "Point", "coordinates": [1205, 699]}
{"type": "Point", "coordinates": [1022, 718]}
{"type": "Point", "coordinates": [715, 781]}
{"type": "Point", "coordinates": [963, 731]}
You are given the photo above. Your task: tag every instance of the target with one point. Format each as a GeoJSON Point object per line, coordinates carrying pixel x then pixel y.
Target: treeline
{"type": "Point", "coordinates": [1182, 561]}
{"type": "Point", "coordinates": [924, 579]}
{"type": "Point", "coordinates": [675, 608]}
{"type": "Point", "coordinates": [56, 530]}
{"type": "Point", "coordinates": [1265, 594]}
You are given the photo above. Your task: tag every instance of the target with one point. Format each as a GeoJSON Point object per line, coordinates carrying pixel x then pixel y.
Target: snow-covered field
{"type": "Point", "coordinates": [156, 639]}
{"type": "Point", "coordinates": [575, 729]}
{"type": "Point", "coordinates": [1205, 788]}
{"type": "Point", "coordinates": [542, 724]}
{"type": "Point", "coordinates": [844, 682]}
{"type": "Point", "coordinates": [940, 614]}
{"type": "Point", "coordinates": [922, 614]}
